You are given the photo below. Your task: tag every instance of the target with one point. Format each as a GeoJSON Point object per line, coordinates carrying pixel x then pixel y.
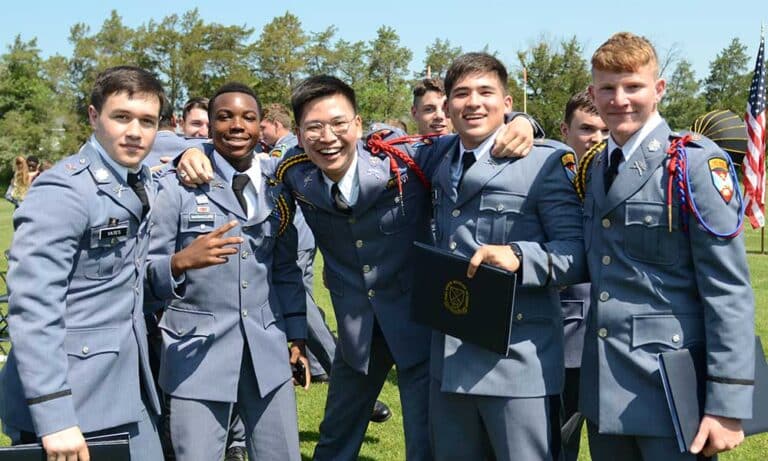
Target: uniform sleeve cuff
{"type": "Point", "coordinates": [296, 326]}
{"type": "Point", "coordinates": [729, 400]}
{"type": "Point", "coordinates": [53, 415]}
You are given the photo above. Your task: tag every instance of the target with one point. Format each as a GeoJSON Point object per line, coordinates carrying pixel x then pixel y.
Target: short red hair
{"type": "Point", "coordinates": [625, 52]}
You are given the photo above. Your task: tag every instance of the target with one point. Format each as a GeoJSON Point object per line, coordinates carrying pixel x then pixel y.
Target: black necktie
{"type": "Point", "coordinates": [239, 182]}
{"type": "Point", "coordinates": [339, 202]}
{"type": "Point", "coordinates": [134, 180]}
{"type": "Point", "coordinates": [467, 160]}
{"type": "Point", "coordinates": [613, 168]}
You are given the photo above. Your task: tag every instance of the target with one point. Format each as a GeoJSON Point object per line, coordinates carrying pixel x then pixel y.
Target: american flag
{"type": "Point", "coordinates": [754, 161]}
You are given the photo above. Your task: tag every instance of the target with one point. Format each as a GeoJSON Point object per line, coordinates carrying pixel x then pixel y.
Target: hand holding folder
{"type": "Point", "coordinates": [110, 447]}
{"type": "Point", "coordinates": [684, 374]}
{"type": "Point", "coordinates": [477, 310]}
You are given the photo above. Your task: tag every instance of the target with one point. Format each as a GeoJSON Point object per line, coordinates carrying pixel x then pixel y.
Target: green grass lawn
{"type": "Point", "coordinates": [385, 441]}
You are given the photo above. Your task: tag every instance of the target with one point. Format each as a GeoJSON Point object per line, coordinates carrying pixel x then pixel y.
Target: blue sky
{"type": "Point", "coordinates": [699, 29]}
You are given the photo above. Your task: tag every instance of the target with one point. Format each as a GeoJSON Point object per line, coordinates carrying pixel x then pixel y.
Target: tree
{"type": "Point", "coordinates": [682, 102]}
{"type": "Point", "coordinates": [351, 64]}
{"type": "Point", "coordinates": [25, 100]}
{"type": "Point", "coordinates": [386, 90]}
{"type": "Point", "coordinates": [439, 56]}
{"type": "Point", "coordinates": [727, 85]}
{"type": "Point", "coordinates": [280, 57]}
{"type": "Point", "coordinates": [554, 75]}
{"type": "Point", "coordinates": [321, 57]}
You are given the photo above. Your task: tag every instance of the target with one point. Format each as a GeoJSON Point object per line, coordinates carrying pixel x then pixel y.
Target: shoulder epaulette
{"type": "Point", "coordinates": [550, 143]}
{"type": "Point", "coordinates": [75, 164]}
{"type": "Point", "coordinates": [289, 162]}
{"type": "Point", "coordinates": [584, 164]}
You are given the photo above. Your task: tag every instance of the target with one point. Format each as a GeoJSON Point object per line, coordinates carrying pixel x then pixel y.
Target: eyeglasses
{"type": "Point", "coordinates": [314, 131]}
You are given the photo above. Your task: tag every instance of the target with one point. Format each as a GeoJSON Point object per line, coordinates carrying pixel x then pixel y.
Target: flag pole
{"type": "Point", "coordinates": [525, 90]}
{"type": "Point", "coordinates": [762, 229]}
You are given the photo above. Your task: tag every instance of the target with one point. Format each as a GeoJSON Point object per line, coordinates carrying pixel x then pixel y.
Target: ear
{"type": "Point", "coordinates": [591, 91]}
{"type": "Point", "coordinates": [508, 103]}
{"type": "Point", "coordinates": [660, 87]}
{"type": "Point", "coordinates": [564, 130]}
{"type": "Point", "coordinates": [93, 116]}
{"type": "Point", "coordinates": [413, 111]}
{"type": "Point", "coordinates": [298, 136]}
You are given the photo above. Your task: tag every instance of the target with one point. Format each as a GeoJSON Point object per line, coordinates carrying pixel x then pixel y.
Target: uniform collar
{"type": "Point", "coordinates": [228, 172]}
{"type": "Point", "coordinates": [122, 171]}
{"type": "Point", "coordinates": [632, 144]}
{"type": "Point", "coordinates": [349, 184]}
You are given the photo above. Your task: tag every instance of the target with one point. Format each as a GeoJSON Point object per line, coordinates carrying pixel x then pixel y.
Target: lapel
{"type": "Point", "coordinates": [640, 167]}
{"type": "Point", "coordinates": [309, 187]}
{"type": "Point", "coordinates": [220, 191]}
{"type": "Point", "coordinates": [110, 184]}
{"type": "Point", "coordinates": [478, 176]}
{"type": "Point", "coordinates": [444, 169]}
{"type": "Point", "coordinates": [373, 173]}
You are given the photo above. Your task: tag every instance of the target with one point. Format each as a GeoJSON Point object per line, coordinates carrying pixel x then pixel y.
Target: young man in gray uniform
{"type": "Point", "coordinates": [664, 274]}
{"type": "Point", "coordinates": [522, 215]}
{"type": "Point", "coordinates": [231, 324]}
{"type": "Point", "coordinates": [79, 364]}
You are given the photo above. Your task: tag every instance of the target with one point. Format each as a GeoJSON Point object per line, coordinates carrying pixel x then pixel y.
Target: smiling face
{"type": "Point", "coordinates": [429, 113]}
{"type": "Point", "coordinates": [126, 126]}
{"type": "Point", "coordinates": [235, 126]}
{"type": "Point", "coordinates": [328, 132]}
{"type": "Point", "coordinates": [476, 105]}
{"type": "Point", "coordinates": [626, 100]}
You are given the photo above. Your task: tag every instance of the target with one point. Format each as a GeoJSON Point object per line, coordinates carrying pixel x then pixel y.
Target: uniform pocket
{"type": "Point", "coordinates": [200, 223]}
{"type": "Point", "coordinates": [186, 323]}
{"type": "Point", "coordinates": [497, 215]}
{"type": "Point", "coordinates": [107, 249]}
{"type": "Point", "coordinates": [647, 236]}
{"type": "Point", "coordinates": [93, 341]}
{"type": "Point", "coordinates": [672, 331]}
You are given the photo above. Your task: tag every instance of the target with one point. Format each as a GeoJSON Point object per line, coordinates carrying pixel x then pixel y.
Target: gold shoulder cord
{"type": "Point", "coordinates": [287, 163]}
{"type": "Point", "coordinates": [286, 214]}
{"type": "Point", "coordinates": [584, 164]}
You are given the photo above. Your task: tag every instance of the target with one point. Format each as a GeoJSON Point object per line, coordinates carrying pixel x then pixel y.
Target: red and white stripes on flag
{"type": "Point", "coordinates": [754, 161]}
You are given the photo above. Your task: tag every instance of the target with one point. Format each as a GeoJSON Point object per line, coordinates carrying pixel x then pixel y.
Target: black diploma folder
{"type": "Point", "coordinates": [683, 374]}
{"type": "Point", "coordinates": [111, 447]}
{"type": "Point", "coordinates": [477, 310]}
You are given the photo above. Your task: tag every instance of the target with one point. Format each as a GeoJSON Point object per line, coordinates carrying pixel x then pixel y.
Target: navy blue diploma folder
{"type": "Point", "coordinates": [683, 374]}
{"type": "Point", "coordinates": [111, 447]}
{"type": "Point", "coordinates": [477, 310]}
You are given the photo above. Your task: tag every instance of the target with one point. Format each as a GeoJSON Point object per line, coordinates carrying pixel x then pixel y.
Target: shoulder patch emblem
{"type": "Point", "coordinates": [721, 178]}
{"type": "Point", "coordinates": [569, 165]}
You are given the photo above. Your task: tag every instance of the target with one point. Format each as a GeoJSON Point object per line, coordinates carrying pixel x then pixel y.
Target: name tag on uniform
{"type": "Point", "coordinates": [200, 217]}
{"type": "Point", "coordinates": [113, 232]}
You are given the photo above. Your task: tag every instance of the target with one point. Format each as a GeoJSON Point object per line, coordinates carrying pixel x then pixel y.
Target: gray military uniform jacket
{"type": "Point", "coordinates": [255, 299]}
{"type": "Point", "coordinates": [367, 253]}
{"type": "Point", "coordinates": [531, 202]}
{"type": "Point", "coordinates": [76, 276]}
{"type": "Point", "coordinates": [656, 290]}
